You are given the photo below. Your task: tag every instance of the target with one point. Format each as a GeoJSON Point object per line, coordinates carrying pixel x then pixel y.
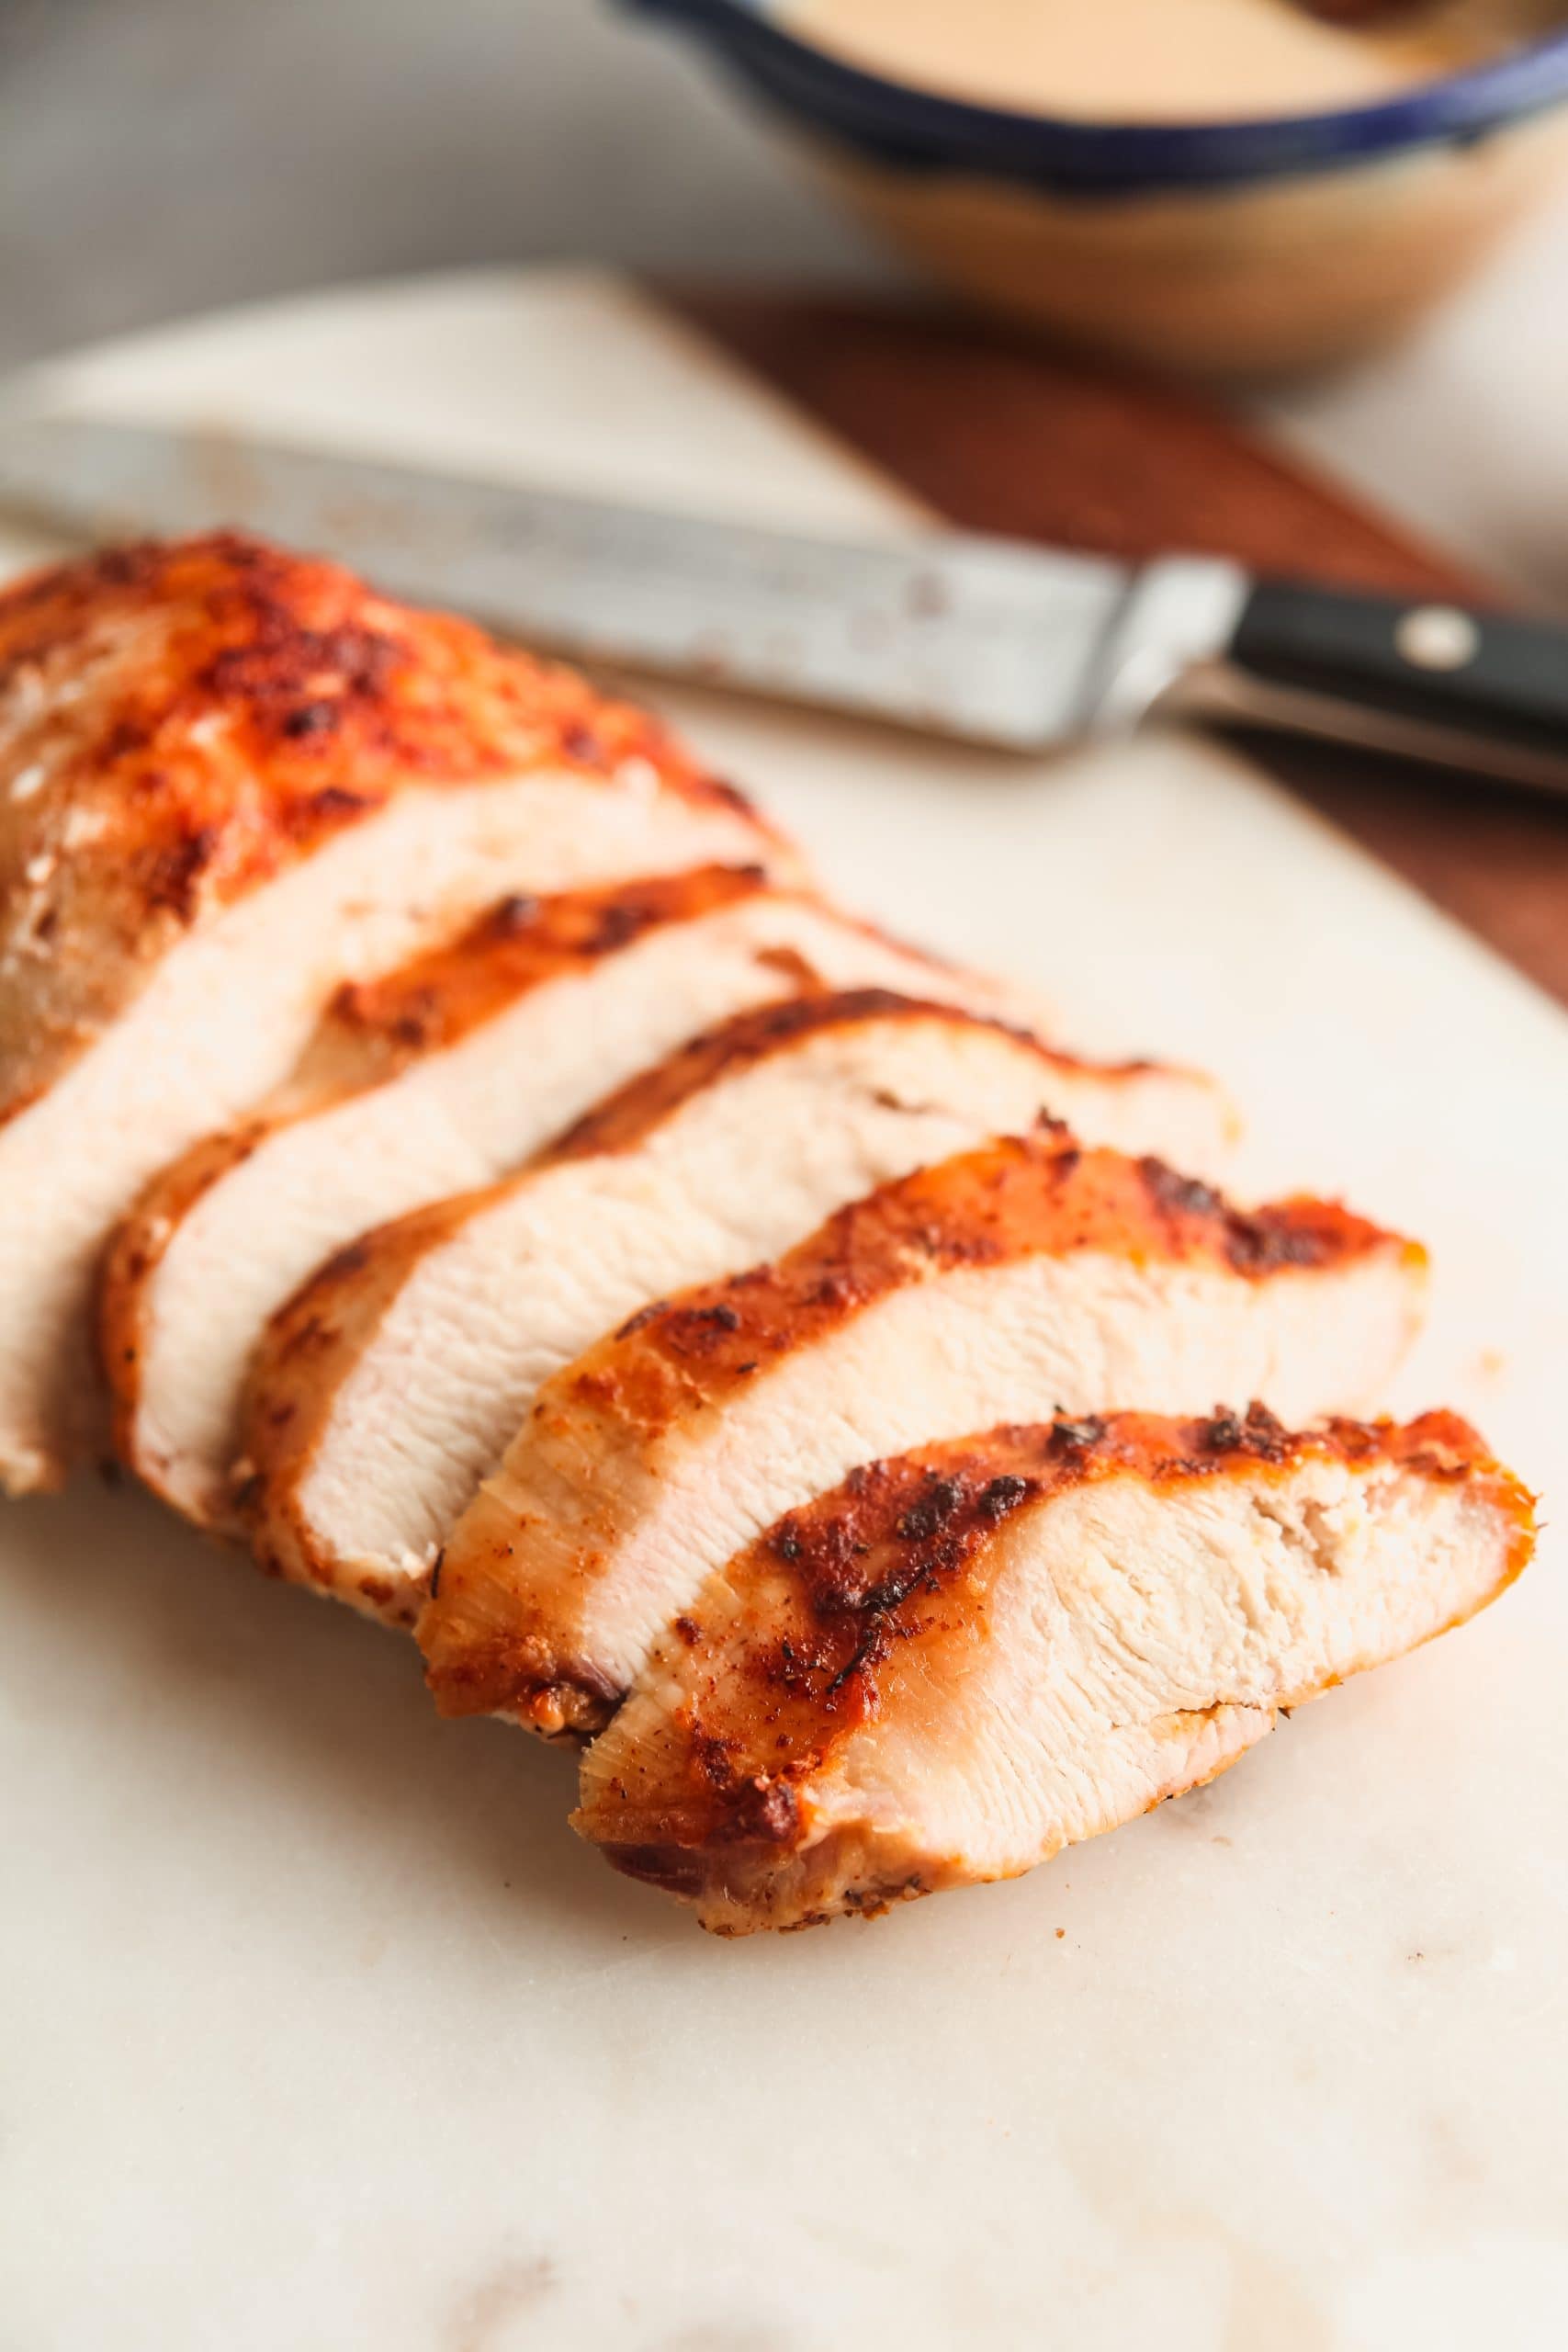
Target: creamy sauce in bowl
{"type": "Point", "coordinates": [1162, 61]}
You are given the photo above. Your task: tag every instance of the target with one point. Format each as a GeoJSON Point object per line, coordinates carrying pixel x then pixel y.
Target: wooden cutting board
{"type": "Point", "coordinates": [1001, 434]}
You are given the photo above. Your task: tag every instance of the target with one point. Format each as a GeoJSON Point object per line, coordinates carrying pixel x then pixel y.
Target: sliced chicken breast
{"type": "Point", "coordinates": [1025, 1276]}
{"type": "Point", "coordinates": [433, 1081]}
{"type": "Point", "coordinates": [396, 1378]}
{"type": "Point", "coordinates": [230, 780]}
{"type": "Point", "coordinates": [963, 1660]}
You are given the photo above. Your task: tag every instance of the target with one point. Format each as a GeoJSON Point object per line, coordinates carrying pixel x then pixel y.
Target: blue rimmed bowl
{"type": "Point", "coordinates": [1216, 248]}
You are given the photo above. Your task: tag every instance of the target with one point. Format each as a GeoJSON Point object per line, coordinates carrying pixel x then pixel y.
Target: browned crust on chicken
{"type": "Point", "coordinates": [370, 1032]}
{"type": "Point", "coordinates": [309, 1348]}
{"type": "Point", "coordinates": [272, 700]}
{"type": "Point", "coordinates": [135, 1251]}
{"type": "Point", "coordinates": [312, 1344]}
{"type": "Point", "coordinates": [1020, 1196]}
{"type": "Point", "coordinates": [441, 997]}
{"type": "Point", "coordinates": [679, 1360]}
{"type": "Point", "coordinates": [895, 1566]}
{"type": "Point", "coordinates": [624, 1118]}
{"type": "Point", "coordinates": [315, 1342]}
{"type": "Point", "coordinates": [520, 945]}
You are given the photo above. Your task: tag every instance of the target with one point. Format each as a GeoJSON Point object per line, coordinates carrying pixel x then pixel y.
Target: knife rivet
{"type": "Point", "coordinates": [1438, 637]}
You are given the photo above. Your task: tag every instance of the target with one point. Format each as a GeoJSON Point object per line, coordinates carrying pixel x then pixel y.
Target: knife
{"type": "Point", "coordinates": [988, 640]}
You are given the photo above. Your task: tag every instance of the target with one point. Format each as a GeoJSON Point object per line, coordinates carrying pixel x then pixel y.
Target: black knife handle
{"type": "Point", "coordinates": [1478, 677]}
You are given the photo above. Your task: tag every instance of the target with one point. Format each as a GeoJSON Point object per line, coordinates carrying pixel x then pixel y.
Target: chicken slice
{"type": "Point", "coordinates": [230, 779]}
{"type": "Point", "coordinates": [396, 1378]}
{"type": "Point", "coordinates": [437, 1080]}
{"type": "Point", "coordinates": [963, 1660]}
{"type": "Point", "coordinates": [1026, 1276]}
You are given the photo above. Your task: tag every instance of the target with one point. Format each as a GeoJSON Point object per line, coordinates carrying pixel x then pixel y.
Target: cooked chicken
{"type": "Point", "coordinates": [230, 779]}
{"type": "Point", "coordinates": [1026, 1276]}
{"type": "Point", "coordinates": [395, 1380]}
{"type": "Point", "coordinates": [434, 1081]}
{"type": "Point", "coordinates": [320, 919]}
{"type": "Point", "coordinates": [961, 1661]}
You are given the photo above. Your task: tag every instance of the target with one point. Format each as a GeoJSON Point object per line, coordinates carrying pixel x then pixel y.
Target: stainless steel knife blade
{"type": "Point", "coordinates": [985, 639]}
{"type": "Point", "coordinates": [978, 638]}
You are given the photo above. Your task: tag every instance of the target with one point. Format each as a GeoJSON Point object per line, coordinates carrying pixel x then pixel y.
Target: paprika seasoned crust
{"type": "Point", "coordinates": [1186, 1109]}
{"type": "Point", "coordinates": [395, 1379]}
{"type": "Point", "coordinates": [179, 723]}
{"type": "Point", "coordinates": [230, 779]}
{"type": "Point", "coordinates": [440, 1078]}
{"type": "Point", "coordinates": [1025, 1274]}
{"type": "Point", "coordinates": [961, 1661]}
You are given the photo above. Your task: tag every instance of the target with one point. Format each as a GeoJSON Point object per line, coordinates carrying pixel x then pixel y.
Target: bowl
{"type": "Point", "coordinates": [1252, 248]}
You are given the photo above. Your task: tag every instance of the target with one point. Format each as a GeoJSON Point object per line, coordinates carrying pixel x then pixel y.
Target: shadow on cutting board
{"type": "Point", "coordinates": [131, 1627]}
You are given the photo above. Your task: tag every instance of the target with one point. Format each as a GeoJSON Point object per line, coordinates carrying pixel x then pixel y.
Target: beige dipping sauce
{"type": "Point", "coordinates": [1150, 61]}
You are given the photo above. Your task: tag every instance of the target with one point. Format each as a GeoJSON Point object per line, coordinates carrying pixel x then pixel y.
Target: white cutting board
{"type": "Point", "coordinates": [319, 2030]}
